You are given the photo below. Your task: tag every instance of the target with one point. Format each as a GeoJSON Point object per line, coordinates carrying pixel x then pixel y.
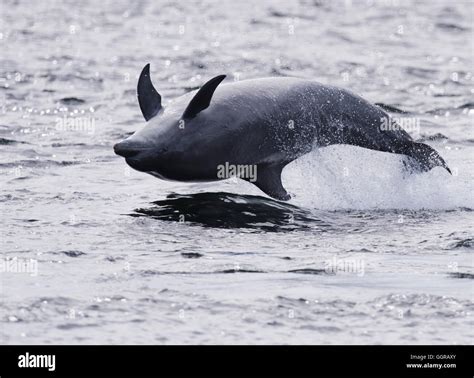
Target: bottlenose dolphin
{"type": "Point", "coordinates": [262, 123]}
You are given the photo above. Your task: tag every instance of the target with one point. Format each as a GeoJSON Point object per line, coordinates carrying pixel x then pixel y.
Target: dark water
{"type": "Point", "coordinates": [364, 253]}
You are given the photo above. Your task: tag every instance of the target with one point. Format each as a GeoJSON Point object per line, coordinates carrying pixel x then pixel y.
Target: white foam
{"type": "Point", "coordinates": [346, 177]}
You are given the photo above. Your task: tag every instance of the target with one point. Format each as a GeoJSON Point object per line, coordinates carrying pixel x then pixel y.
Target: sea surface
{"type": "Point", "coordinates": [93, 252]}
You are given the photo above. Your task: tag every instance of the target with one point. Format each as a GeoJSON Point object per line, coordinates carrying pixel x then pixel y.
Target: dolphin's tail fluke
{"type": "Point", "coordinates": [425, 156]}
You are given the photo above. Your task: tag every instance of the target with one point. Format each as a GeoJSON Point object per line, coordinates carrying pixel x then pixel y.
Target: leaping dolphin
{"type": "Point", "coordinates": [262, 123]}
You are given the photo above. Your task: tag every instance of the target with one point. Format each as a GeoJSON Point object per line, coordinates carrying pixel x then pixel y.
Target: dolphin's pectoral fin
{"type": "Point", "coordinates": [148, 98]}
{"type": "Point", "coordinates": [269, 181]}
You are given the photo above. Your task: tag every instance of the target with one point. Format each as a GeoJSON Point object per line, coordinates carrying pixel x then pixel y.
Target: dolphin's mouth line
{"type": "Point", "coordinates": [138, 150]}
{"type": "Point", "coordinates": [129, 150]}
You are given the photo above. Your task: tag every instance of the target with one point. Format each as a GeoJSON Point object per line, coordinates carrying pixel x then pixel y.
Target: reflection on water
{"type": "Point", "coordinates": [228, 210]}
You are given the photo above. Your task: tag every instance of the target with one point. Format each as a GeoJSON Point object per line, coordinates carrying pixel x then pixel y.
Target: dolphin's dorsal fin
{"type": "Point", "coordinates": [202, 98]}
{"type": "Point", "coordinates": [269, 181]}
{"type": "Point", "coordinates": [148, 98]}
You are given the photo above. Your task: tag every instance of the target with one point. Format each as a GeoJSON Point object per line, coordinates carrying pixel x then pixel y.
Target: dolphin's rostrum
{"type": "Point", "coordinates": [266, 123]}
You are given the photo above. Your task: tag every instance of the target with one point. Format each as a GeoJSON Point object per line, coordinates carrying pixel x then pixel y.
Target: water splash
{"type": "Point", "coordinates": [346, 177]}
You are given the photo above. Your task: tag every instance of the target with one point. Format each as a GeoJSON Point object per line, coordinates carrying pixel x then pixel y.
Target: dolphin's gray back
{"type": "Point", "coordinates": [283, 114]}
